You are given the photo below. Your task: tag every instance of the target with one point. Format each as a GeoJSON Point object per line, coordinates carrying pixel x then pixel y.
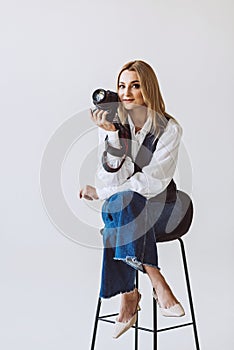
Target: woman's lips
{"type": "Point", "coordinates": [128, 100]}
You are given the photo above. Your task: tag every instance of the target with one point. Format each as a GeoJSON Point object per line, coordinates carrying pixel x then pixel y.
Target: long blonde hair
{"type": "Point", "coordinates": [151, 94]}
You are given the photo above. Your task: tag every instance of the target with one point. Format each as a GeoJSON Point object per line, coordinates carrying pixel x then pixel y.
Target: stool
{"type": "Point", "coordinates": [155, 330]}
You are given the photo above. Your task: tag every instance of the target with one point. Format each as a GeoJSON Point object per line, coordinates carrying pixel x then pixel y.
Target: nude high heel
{"type": "Point", "coordinates": [176, 310]}
{"type": "Point", "coordinates": [122, 327]}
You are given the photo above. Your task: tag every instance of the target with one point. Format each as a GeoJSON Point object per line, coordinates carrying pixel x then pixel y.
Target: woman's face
{"type": "Point", "coordinates": [129, 90]}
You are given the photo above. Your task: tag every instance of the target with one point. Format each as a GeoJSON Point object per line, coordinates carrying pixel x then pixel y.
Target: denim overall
{"type": "Point", "coordinates": [132, 226]}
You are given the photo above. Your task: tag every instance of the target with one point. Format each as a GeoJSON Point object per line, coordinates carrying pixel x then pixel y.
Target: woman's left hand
{"type": "Point", "coordinates": [89, 193]}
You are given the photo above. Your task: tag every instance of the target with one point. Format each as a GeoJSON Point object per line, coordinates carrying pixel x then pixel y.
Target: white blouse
{"type": "Point", "coordinates": [154, 177]}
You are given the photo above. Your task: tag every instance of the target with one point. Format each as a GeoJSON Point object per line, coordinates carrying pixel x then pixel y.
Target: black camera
{"type": "Point", "coordinates": [106, 100]}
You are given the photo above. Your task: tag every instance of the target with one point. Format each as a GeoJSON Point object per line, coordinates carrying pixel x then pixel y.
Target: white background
{"type": "Point", "coordinates": [53, 54]}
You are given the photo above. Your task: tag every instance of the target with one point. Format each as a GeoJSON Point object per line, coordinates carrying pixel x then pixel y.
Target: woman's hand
{"type": "Point", "coordinates": [89, 193]}
{"type": "Point", "coordinates": [98, 116]}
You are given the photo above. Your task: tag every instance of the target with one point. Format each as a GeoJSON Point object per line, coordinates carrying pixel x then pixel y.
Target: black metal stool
{"type": "Point", "coordinates": [155, 330]}
{"type": "Point", "coordinates": [180, 230]}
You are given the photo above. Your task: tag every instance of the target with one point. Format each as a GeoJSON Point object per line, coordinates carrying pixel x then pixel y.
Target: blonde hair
{"type": "Point", "coordinates": [151, 94]}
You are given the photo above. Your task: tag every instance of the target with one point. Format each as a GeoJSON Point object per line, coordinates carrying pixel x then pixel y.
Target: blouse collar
{"type": "Point", "coordinates": [144, 130]}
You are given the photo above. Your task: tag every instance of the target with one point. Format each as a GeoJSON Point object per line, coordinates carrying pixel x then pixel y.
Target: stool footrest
{"type": "Point", "coordinates": [105, 316]}
{"type": "Point", "coordinates": [164, 329]}
{"type": "Point", "coordinates": [102, 318]}
{"type": "Point", "coordinates": [174, 327]}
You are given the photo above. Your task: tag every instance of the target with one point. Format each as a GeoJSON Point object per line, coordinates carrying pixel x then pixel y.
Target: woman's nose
{"type": "Point", "coordinates": [127, 91]}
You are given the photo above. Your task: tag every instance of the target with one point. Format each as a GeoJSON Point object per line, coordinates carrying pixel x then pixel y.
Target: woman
{"type": "Point", "coordinates": [141, 200]}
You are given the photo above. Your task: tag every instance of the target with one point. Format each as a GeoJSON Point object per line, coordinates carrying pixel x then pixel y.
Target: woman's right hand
{"type": "Point", "coordinates": [98, 116]}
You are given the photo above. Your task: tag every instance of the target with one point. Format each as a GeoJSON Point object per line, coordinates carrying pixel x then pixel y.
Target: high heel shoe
{"type": "Point", "coordinates": [122, 327]}
{"type": "Point", "coordinates": [176, 310]}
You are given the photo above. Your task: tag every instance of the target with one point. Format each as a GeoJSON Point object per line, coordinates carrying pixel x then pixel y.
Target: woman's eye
{"type": "Point", "coordinates": [121, 86]}
{"type": "Point", "coordinates": [136, 86]}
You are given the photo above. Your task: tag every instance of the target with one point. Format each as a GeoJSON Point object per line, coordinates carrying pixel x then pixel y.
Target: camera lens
{"type": "Point", "coordinates": [99, 95]}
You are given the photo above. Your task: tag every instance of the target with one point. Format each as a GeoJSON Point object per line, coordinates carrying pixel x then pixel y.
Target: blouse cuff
{"type": "Point", "coordinates": [113, 138]}
{"type": "Point", "coordinates": [103, 193]}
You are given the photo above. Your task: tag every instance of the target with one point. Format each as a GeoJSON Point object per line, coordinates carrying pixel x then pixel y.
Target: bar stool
{"type": "Point", "coordinates": [174, 236]}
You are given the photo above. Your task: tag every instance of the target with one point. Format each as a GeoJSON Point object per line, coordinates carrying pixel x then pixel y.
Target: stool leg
{"type": "Point", "coordinates": [189, 293]}
{"type": "Point", "coordinates": [96, 323]}
{"type": "Point", "coordinates": [136, 325]}
{"type": "Point", "coordinates": [155, 324]}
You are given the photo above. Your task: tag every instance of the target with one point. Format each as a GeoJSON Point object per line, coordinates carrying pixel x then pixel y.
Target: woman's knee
{"type": "Point", "coordinates": [124, 202]}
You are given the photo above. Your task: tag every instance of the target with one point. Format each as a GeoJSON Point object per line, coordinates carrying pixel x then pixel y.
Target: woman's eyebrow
{"type": "Point", "coordinates": [131, 82]}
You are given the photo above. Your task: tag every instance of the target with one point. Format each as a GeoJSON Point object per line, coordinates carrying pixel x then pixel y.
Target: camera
{"type": "Point", "coordinates": [106, 100]}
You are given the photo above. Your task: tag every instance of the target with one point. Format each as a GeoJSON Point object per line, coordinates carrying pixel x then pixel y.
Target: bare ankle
{"type": "Point", "coordinates": [131, 295]}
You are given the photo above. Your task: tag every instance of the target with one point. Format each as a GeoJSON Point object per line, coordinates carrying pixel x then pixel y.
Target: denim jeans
{"type": "Point", "coordinates": [132, 225]}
